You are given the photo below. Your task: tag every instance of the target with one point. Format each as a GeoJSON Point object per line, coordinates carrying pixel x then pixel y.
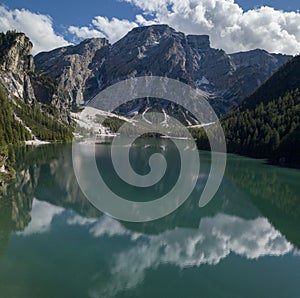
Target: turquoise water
{"type": "Point", "coordinates": [54, 243]}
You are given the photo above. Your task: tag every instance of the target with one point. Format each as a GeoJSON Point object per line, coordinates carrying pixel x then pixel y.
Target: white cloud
{"type": "Point", "coordinates": [85, 32]}
{"type": "Point", "coordinates": [143, 22]}
{"type": "Point", "coordinates": [229, 26]}
{"type": "Point", "coordinates": [113, 29]}
{"type": "Point", "coordinates": [37, 27]}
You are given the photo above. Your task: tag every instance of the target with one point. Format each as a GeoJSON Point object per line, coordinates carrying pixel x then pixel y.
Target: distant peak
{"type": "Point", "coordinates": [94, 40]}
{"type": "Point", "coordinates": [158, 30]}
{"type": "Point", "coordinates": [155, 27]}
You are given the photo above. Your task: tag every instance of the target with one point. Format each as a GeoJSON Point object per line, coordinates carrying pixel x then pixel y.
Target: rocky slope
{"type": "Point", "coordinates": [19, 78]}
{"type": "Point", "coordinates": [16, 63]}
{"type": "Point", "coordinates": [159, 50]}
{"type": "Point", "coordinates": [31, 105]}
{"type": "Point", "coordinates": [74, 68]}
{"type": "Point", "coordinates": [69, 76]}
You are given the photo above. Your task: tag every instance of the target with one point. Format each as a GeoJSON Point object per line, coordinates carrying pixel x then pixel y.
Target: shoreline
{"type": "Point", "coordinates": [36, 142]}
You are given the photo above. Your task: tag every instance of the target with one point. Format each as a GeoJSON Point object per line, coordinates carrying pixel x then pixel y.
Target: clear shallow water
{"type": "Point", "coordinates": [54, 243]}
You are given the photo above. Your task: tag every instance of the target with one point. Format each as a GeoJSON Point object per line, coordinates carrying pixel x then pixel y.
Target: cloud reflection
{"type": "Point", "coordinates": [42, 214]}
{"type": "Point", "coordinates": [215, 239]}
{"type": "Point", "coordinates": [102, 226]}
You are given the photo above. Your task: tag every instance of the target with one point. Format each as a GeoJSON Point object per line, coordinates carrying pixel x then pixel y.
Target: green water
{"type": "Point", "coordinates": [54, 243]}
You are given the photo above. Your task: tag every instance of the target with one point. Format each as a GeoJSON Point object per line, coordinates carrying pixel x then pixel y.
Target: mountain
{"type": "Point", "coordinates": [16, 63]}
{"type": "Point", "coordinates": [37, 94]}
{"type": "Point", "coordinates": [86, 69]}
{"type": "Point", "coordinates": [267, 123]}
{"type": "Point", "coordinates": [31, 107]}
{"type": "Point", "coordinates": [74, 68]}
{"type": "Point", "coordinates": [18, 75]}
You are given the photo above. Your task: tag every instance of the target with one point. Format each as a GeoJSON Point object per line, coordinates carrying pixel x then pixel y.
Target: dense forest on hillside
{"type": "Point", "coordinates": [266, 124]}
{"type": "Point", "coordinates": [258, 132]}
{"type": "Point", "coordinates": [43, 126]}
{"type": "Point", "coordinates": [14, 116]}
{"type": "Point", "coordinates": [285, 79]}
{"type": "Point", "coordinates": [11, 130]}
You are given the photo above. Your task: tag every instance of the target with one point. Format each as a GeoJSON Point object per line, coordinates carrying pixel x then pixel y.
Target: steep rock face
{"type": "Point", "coordinates": [156, 50]}
{"type": "Point", "coordinates": [254, 68]}
{"type": "Point", "coordinates": [80, 72]}
{"type": "Point", "coordinates": [32, 106]}
{"type": "Point", "coordinates": [19, 77]}
{"type": "Point", "coordinates": [160, 50]}
{"type": "Point", "coordinates": [16, 63]}
{"type": "Point", "coordinates": [72, 68]}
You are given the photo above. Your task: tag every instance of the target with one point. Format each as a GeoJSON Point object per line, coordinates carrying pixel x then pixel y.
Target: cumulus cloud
{"type": "Point", "coordinates": [230, 28]}
{"type": "Point", "coordinates": [113, 29]}
{"type": "Point", "coordinates": [85, 32]}
{"type": "Point", "coordinates": [38, 27]}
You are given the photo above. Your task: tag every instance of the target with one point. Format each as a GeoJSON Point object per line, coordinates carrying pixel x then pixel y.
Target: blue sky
{"type": "Point", "coordinates": [72, 21]}
{"type": "Point", "coordinates": [80, 13]}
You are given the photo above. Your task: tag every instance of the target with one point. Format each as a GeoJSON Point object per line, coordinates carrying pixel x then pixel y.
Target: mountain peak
{"type": "Point", "coordinates": [95, 41]}
{"type": "Point", "coordinates": [15, 49]}
{"type": "Point", "coordinates": [160, 50]}
{"type": "Point", "coordinates": [150, 35]}
{"type": "Point", "coordinates": [155, 27]}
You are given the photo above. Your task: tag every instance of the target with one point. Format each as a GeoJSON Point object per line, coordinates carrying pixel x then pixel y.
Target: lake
{"type": "Point", "coordinates": [55, 243]}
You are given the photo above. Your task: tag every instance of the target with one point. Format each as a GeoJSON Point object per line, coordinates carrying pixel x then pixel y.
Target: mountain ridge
{"type": "Point", "coordinates": [162, 51]}
{"type": "Point", "coordinates": [41, 91]}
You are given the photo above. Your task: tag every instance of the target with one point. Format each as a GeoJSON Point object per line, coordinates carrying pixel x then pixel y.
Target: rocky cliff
{"type": "Point", "coordinates": [91, 66]}
{"type": "Point", "coordinates": [74, 67]}
{"type": "Point", "coordinates": [18, 76]}
{"type": "Point", "coordinates": [31, 105]}
{"type": "Point", "coordinates": [69, 76]}
{"type": "Point", "coordinates": [160, 50]}
{"type": "Point", "coordinates": [16, 63]}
